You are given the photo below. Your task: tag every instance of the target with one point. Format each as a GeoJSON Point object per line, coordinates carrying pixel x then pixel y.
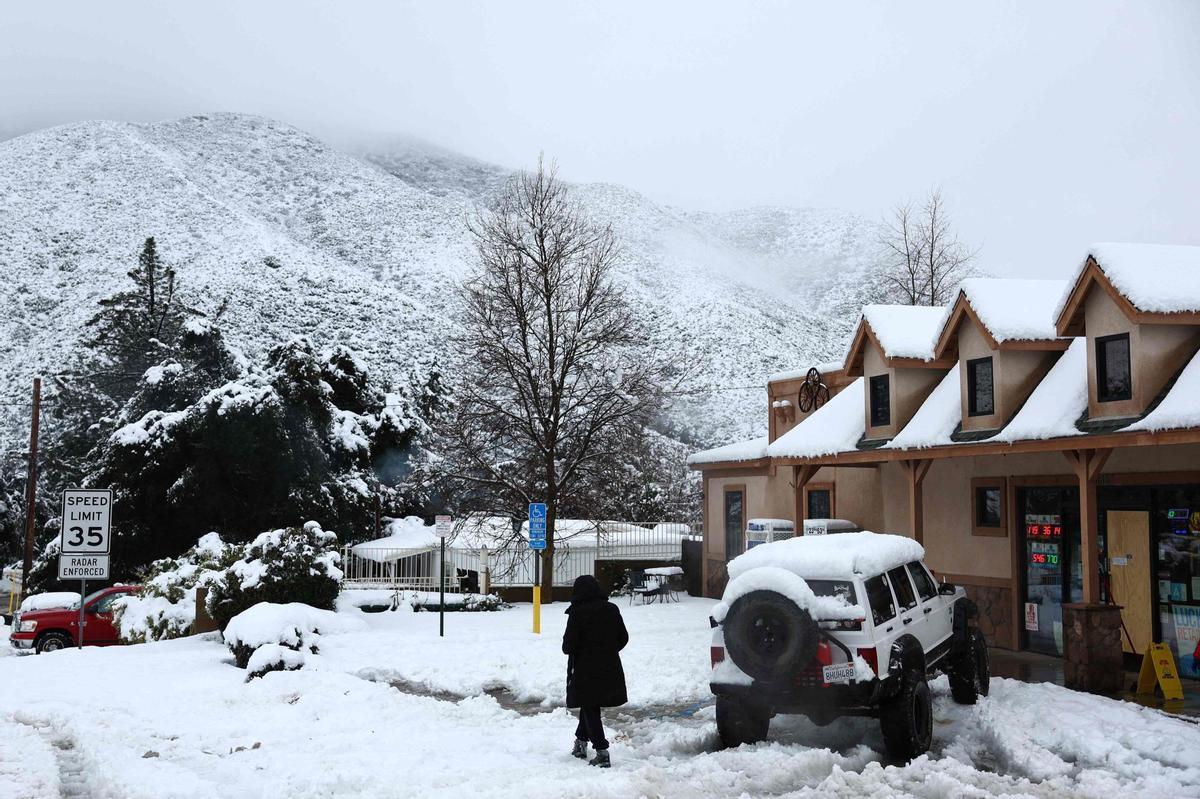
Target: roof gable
{"type": "Point", "coordinates": [1010, 313]}
{"type": "Point", "coordinates": [1150, 283]}
{"type": "Point", "coordinates": [905, 335]}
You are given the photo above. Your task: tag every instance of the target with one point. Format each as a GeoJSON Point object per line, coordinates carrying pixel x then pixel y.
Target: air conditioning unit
{"type": "Point", "coordinates": [764, 531]}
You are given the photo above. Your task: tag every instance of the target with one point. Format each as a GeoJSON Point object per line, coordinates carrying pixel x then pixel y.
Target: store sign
{"type": "Point", "coordinates": [1043, 526]}
{"type": "Point", "coordinates": [1031, 616]}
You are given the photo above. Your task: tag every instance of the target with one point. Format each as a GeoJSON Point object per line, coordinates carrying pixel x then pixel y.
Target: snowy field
{"type": "Point", "coordinates": [392, 711]}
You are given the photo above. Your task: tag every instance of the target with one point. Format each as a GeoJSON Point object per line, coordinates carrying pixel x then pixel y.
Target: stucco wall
{"type": "Point", "coordinates": [908, 389]}
{"type": "Point", "coordinates": [1156, 353]}
{"type": "Point", "coordinates": [1015, 373]}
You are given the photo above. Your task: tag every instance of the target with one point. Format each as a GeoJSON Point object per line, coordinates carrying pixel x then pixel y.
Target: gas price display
{"type": "Point", "coordinates": [1045, 527]}
{"type": "Point", "coordinates": [1043, 555]}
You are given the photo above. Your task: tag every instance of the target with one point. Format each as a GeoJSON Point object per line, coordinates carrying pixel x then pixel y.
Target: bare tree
{"type": "Point", "coordinates": [557, 378]}
{"type": "Point", "coordinates": [923, 260]}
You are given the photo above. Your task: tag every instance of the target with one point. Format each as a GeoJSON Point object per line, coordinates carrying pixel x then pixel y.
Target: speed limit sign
{"type": "Point", "coordinates": [86, 521]}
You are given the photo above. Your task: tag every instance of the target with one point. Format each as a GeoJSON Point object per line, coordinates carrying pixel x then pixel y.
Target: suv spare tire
{"type": "Point", "coordinates": [768, 636]}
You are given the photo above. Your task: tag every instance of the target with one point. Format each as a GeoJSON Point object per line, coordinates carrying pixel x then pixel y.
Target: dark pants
{"type": "Point", "coordinates": [590, 727]}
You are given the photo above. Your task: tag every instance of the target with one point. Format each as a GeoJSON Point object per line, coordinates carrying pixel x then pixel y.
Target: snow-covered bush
{"type": "Point", "coordinates": [294, 564]}
{"type": "Point", "coordinates": [166, 606]}
{"type": "Point", "coordinates": [470, 603]}
{"type": "Point", "coordinates": [274, 637]}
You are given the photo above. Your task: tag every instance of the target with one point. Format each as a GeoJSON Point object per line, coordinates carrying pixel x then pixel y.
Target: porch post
{"type": "Point", "coordinates": [916, 471]}
{"type": "Point", "coordinates": [801, 475]}
{"type": "Point", "coordinates": [1091, 630]}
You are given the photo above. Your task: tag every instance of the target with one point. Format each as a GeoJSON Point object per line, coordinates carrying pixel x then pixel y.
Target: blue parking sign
{"type": "Point", "coordinates": [537, 525]}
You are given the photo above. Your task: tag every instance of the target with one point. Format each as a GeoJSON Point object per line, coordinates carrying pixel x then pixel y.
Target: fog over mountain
{"type": "Point", "coordinates": [365, 245]}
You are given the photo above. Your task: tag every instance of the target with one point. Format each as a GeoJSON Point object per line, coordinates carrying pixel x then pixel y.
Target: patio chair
{"type": "Point", "coordinates": [676, 585]}
{"type": "Point", "coordinates": [645, 586]}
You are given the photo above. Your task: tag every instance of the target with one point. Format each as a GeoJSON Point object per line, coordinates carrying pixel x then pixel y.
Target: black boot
{"type": "Point", "coordinates": [580, 749]}
{"type": "Point", "coordinates": [601, 759]}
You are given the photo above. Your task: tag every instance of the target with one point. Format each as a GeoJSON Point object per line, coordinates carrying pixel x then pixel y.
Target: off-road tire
{"type": "Point", "coordinates": [53, 642]}
{"type": "Point", "coordinates": [970, 670]}
{"type": "Point", "coordinates": [741, 722]}
{"type": "Point", "coordinates": [768, 636]}
{"type": "Point", "coordinates": [907, 719]}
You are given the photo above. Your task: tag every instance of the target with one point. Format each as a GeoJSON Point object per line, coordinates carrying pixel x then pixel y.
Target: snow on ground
{"type": "Point", "coordinates": [175, 719]}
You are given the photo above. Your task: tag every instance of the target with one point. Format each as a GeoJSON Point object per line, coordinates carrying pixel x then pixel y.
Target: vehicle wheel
{"type": "Point", "coordinates": [970, 670]}
{"type": "Point", "coordinates": [907, 719]}
{"type": "Point", "coordinates": [741, 722]}
{"type": "Point", "coordinates": [53, 642]}
{"type": "Point", "coordinates": [768, 636]}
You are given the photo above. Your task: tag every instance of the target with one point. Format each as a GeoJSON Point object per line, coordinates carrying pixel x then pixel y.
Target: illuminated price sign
{"type": "Point", "coordinates": [1043, 531]}
{"type": "Point", "coordinates": [1043, 559]}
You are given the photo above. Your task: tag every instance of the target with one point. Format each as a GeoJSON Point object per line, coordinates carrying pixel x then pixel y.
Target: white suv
{"type": "Point", "coordinates": [837, 625]}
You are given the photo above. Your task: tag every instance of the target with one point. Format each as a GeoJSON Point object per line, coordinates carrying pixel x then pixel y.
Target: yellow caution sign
{"type": "Point", "coordinates": [1158, 668]}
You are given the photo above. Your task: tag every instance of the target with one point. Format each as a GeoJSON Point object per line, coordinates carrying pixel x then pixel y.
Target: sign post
{"type": "Point", "coordinates": [441, 528]}
{"type": "Point", "coordinates": [84, 540]}
{"type": "Point", "coordinates": [537, 543]}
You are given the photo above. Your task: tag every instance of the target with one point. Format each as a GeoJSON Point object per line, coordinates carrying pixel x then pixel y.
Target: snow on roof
{"type": "Point", "coordinates": [906, 331]}
{"type": "Point", "coordinates": [1056, 403]}
{"type": "Point", "coordinates": [936, 419]}
{"type": "Point", "coordinates": [750, 450]}
{"type": "Point", "coordinates": [407, 533]}
{"type": "Point", "coordinates": [1163, 278]}
{"type": "Point", "coordinates": [834, 427]}
{"type": "Point", "coordinates": [831, 556]}
{"type": "Point", "coordinates": [1180, 408]}
{"type": "Point", "coordinates": [800, 372]}
{"type": "Point", "coordinates": [1022, 310]}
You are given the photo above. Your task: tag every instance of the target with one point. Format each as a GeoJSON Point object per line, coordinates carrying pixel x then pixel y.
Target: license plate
{"type": "Point", "coordinates": [839, 672]}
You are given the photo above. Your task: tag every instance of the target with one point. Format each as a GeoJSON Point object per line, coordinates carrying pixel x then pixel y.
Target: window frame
{"type": "Point", "coordinates": [891, 598]}
{"type": "Point", "coordinates": [986, 484]}
{"type": "Point", "coordinates": [827, 487]}
{"type": "Point", "coordinates": [741, 532]}
{"type": "Point", "coordinates": [915, 567]}
{"type": "Point", "coordinates": [908, 583]}
{"type": "Point", "coordinates": [1102, 368]}
{"type": "Point", "coordinates": [884, 379]}
{"type": "Point", "coordinates": [972, 387]}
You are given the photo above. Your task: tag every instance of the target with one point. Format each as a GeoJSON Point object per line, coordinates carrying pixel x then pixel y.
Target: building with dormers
{"type": "Point", "coordinates": [1041, 438]}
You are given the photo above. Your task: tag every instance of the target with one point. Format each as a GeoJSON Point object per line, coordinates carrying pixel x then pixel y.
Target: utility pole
{"type": "Point", "coordinates": [31, 488]}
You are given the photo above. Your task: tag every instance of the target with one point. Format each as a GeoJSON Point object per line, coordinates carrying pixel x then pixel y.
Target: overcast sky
{"type": "Point", "coordinates": [1047, 125]}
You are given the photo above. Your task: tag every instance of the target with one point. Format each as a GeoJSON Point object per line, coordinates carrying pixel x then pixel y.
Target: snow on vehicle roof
{"type": "Point", "coordinates": [936, 419]}
{"type": "Point", "coordinates": [831, 556]}
{"type": "Point", "coordinates": [1163, 278]}
{"type": "Point", "coordinates": [834, 427]}
{"type": "Point", "coordinates": [750, 450]}
{"type": "Point", "coordinates": [800, 373]}
{"type": "Point", "coordinates": [1056, 403]}
{"type": "Point", "coordinates": [1180, 407]}
{"type": "Point", "coordinates": [906, 331]}
{"type": "Point", "coordinates": [1011, 309]}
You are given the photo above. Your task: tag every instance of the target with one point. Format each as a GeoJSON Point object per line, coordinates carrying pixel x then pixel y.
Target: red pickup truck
{"type": "Point", "coordinates": [52, 629]}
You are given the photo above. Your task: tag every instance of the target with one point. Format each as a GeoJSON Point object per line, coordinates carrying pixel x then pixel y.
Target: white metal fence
{"type": "Point", "coordinates": [511, 565]}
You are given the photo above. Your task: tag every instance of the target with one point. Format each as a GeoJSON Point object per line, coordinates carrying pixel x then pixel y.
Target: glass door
{"type": "Point", "coordinates": [1051, 571]}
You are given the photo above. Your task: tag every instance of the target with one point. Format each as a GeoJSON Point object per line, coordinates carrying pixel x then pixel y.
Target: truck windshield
{"type": "Point", "coordinates": [842, 588]}
{"type": "Point", "coordinates": [87, 600]}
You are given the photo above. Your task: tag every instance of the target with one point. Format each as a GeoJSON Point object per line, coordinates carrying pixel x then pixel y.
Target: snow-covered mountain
{"type": "Point", "coordinates": [364, 247]}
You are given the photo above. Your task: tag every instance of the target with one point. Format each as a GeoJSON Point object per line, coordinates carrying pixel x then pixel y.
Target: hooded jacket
{"type": "Point", "coordinates": [595, 635]}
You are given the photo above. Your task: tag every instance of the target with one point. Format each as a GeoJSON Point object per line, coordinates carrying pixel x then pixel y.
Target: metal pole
{"type": "Point", "coordinates": [442, 606]}
{"type": "Point", "coordinates": [31, 487]}
{"type": "Point", "coordinates": [82, 621]}
{"type": "Point", "coordinates": [537, 591]}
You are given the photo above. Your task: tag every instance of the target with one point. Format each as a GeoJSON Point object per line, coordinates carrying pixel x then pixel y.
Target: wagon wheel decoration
{"type": "Point", "coordinates": [813, 393]}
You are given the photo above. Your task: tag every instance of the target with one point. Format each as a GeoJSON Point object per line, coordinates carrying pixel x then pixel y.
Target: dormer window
{"type": "Point", "coordinates": [1113, 381]}
{"type": "Point", "coordinates": [881, 401]}
{"type": "Point", "coordinates": [980, 393]}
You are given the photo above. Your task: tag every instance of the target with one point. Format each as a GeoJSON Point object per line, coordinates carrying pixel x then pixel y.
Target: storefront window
{"type": "Point", "coordinates": [1176, 533]}
{"type": "Point", "coordinates": [1051, 568]}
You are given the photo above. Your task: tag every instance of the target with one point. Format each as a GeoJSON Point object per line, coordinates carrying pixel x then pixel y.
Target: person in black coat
{"type": "Point", "coordinates": [594, 637]}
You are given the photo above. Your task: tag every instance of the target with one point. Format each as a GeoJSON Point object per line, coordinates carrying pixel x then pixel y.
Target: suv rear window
{"type": "Point", "coordinates": [842, 588]}
{"type": "Point", "coordinates": [925, 585]}
{"type": "Point", "coordinates": [879, 597]}
{"type": "Point", "coordinates": [903, 588]}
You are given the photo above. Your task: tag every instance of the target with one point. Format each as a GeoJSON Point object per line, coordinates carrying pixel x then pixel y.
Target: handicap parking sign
{"type": "Point", "coordinates": [537, 525]}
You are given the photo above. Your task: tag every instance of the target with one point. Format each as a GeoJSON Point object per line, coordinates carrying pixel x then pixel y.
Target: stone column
{"type": "Point", "coordinates": [1092, 638]}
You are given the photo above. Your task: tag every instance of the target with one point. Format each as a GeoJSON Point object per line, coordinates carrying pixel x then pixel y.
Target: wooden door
{"type": "Point", "coordinates": [1129, 574]}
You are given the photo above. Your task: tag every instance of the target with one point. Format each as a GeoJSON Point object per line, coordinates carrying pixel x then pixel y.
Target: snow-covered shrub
{"type": "Point", "coordinates": [261, 636]}
{"type": "Point", "coordinates": [470, 603]}
{"type": "Point", "coordinates": [166, 606]}
{"type": "Point", "coordinates": [293, 564]}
